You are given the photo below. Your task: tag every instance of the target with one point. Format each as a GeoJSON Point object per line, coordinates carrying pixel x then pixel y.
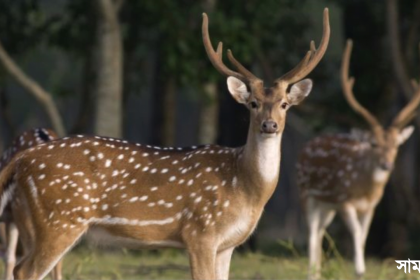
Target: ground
{"type": "Point", "coordinates": [86, 262]}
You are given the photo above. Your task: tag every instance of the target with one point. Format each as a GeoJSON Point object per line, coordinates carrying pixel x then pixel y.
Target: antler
{"type": "Point", "coordinates": [347, 85]}
{"type": "Point", "coordinates": [312, 57]}
{"type": "Point", "coordinates": [408, 112]}
{"type": "Point", "coordinates": [216, 57]}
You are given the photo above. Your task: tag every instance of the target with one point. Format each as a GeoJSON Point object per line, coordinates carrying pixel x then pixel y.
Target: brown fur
{"type": "Point", "coordinates": [24, 141]}
{"type": "Point", "coordinates": [208, 207]}
{"type": "Point", "coordinates": [345, 173]}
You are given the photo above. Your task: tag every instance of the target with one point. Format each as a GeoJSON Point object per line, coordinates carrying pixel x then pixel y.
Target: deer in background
{"type": "Point", "coordinates": [347, 173]}
{"type": "Point", "coordinates": [24, 141]}
{"type": "Point", "coordinates": [205, 199]}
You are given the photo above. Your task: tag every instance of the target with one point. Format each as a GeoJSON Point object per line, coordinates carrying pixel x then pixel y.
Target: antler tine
{"type": "Point", "coordinates": [240, 67]}
{"type": "Point", "coordinates": [216, 57]}
{"type": "Point", "coordinates": [295, 70]}
{"type": "Point", "coordinates": [312, 58]}
{"type": "Point", "coordinates": [347, 85]}
{"type": "Point", "coordinates": [219, 50]}
{"type": "Point", "coordinates": [408, 112]}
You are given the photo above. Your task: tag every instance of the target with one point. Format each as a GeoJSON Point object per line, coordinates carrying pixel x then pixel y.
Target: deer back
{"type": "Point", "coordinates": [170, 193]}
{"type": "Point", "coordinates": [337, 168]}
{"type": "Point", "coordinates": [26, 140]}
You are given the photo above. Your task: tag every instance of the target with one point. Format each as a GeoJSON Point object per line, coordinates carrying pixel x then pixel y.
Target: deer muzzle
{"type": "Point", "coordinates": [269, 127]}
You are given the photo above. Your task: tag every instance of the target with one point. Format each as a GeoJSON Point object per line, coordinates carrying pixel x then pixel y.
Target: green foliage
{"type": "Point", "coordinates": [269, 27]}
{"type": "Point", "coordinates": [73, 29]}
{"type": "Point", "coordinates": [22, 25]}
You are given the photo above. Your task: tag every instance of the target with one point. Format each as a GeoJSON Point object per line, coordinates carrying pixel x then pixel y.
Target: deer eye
{"type": "Point", "coordinates": [254, 104]}
{"type": "Point", "coordinates": [284, 105]}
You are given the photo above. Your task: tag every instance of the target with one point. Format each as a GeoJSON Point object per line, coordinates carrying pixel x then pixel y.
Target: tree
{"type": "Point", "coordinates": [28, 27]}
{"type": "Point", "coordinates": [108, 68]}
{"type": "Point", "coordinates": [209, 113]}
{"type": "Point", "coordinates": [44, 97]}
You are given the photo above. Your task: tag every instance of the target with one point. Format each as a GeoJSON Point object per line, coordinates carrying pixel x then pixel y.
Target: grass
{"type": "Point", "coordinates": [85, 262]}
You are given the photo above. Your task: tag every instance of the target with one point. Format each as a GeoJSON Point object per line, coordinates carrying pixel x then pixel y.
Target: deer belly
{"type": "Point", "coordinates": [364, 204]}
{"type": "Point", "coordinates": [107, 237]}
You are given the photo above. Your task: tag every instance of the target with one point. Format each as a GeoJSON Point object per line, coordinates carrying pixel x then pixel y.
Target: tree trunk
{"type": "Point", "coordinates": [108, 60]}
{"type": "Point", "coordinates": [164, 105]}
{"type": "Point", "coordinates": [34, 89]}
{"type": "Point", "coordinates": [164, 112]}
{"type": "Point", "coordinates": [209, 113]}
{"type": "Point", "coordinates": [169, 113]}
{"type": "Point", "coordinates": [82, 121]}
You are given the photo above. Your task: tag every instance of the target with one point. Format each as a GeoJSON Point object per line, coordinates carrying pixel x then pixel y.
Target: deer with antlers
{"type": "Point", "coordinates": [348, 172]}
{"type": "Point", "coordinates": [206, 199]}
{"type": "Point", "coordinates": [24, 141]}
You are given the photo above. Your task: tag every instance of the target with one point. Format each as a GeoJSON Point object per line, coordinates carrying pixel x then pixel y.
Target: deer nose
{"type": "Point", "coordinates": [269, 127]}
{"type": "Point", "coordinates": [386, 165]}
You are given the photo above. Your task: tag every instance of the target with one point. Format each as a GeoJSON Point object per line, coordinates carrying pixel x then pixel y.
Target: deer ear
{"type": "Point", "coordinates": [299, 91]}
{"type": "Point", "coordinates": [405, 134]}
{"type": "Point", "coordinates": [238, 90]}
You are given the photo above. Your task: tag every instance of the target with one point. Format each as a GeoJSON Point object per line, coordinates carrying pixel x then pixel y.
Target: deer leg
{"type": "Point", "coordinates": [202, 260]}
{"type": "Point", "coordinates": [313, 219]}
{"type": "Point", "coordinates": [326, 217]}
{"type": "Point", "coordinates": [349, 214]}
{"type": "Point", "coordinates": [3, 236]}
{"type": "Point", "coordinates": [56, 272]}
{"type": "Point", "coordinates": [223, 263]}
{"type": "Point", "coordinates": [11, 243]}
{"type": "Point", "coordinates": [48, 248]}
{"type": "Point", "coordinates": [365, 220]}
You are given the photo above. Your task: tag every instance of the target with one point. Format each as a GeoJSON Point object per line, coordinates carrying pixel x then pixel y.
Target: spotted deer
{"type": "Point", "coordinates": [24, 141]}
{"type": "Point", "coordinates": [206, 199]}
{"type": "Point", "coordinates": [348, 172]}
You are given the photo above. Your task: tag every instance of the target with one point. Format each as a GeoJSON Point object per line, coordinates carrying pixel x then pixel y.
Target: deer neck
{"type": "Point", "coordinates": [371, 172]}
{"type": "Point", "coordinates": [260, 162]}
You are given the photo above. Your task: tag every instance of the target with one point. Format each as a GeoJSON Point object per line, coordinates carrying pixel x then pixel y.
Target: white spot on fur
{"type": "Point", "coordinates": [133, 199]}
{"type": "Point", "coordinates": [380, 175]}
{"type": "Point", "coordinates": [234, 181]}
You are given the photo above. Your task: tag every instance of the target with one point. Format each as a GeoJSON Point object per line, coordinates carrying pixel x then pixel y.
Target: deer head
{"type": "Point", "coordinates": [385, 141]}
{"type": "Point", "coordinates": [268, 106]}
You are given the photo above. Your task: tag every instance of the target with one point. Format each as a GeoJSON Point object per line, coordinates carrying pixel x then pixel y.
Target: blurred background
{"type": "Point", "coordinates": [138, 70]}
